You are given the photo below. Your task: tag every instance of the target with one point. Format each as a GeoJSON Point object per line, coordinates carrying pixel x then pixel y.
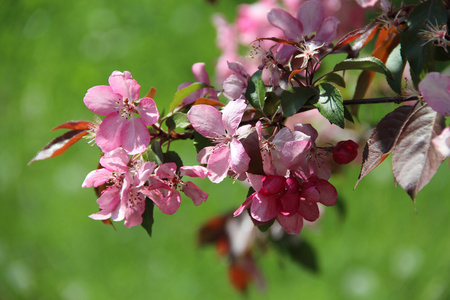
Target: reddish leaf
{"type": "Point", "coordinates": [239, 276]}
{"type": "Point", "coordinates": [75, 125]}
{"type": "Point", "coordinates": [207, 101]}
{"type": "Point", "coordinates": [280, 41]}
{"type": "Point", "coordinates": [383, 139]}
{"type": "Point", "coordinates": [361, 35]}
{"type": "Point", "coordinates": [59, 145]}
{"type": "Point", "coordinates": [415, 159]}
{"type": "Point", "coordinates": [151, 94]}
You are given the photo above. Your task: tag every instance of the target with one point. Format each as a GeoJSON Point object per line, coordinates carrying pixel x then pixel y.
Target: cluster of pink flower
{"type": "Point", "coordinates": [130, 180]}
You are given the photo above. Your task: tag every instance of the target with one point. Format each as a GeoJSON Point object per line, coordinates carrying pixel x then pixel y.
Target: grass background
{"type": "Point", "coordinates": [51, 53]}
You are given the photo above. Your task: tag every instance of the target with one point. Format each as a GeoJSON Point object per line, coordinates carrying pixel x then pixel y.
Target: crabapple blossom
{"type": "Point", "coordinates": [223, 128]}
{"type": "Point", "coordinates": [120, 103]}
{"type": "Point", "coordinates": [125, 178]}
{"type": "Point", "coordinates": [163, 186]}
{"type": "Point", "coordinates": [442, 142]}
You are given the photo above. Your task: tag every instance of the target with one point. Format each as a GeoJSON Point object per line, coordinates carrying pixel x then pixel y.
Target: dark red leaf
{"type": "Point", "coordinates": [415, 159]}
{"type": "Point", "coordinates": [75, 125]}
{"type": "Point", "coordinates": [383, 138]}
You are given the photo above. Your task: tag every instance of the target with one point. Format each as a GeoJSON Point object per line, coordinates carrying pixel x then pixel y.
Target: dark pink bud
{"type": "Point", "coordinates": [345, 151]}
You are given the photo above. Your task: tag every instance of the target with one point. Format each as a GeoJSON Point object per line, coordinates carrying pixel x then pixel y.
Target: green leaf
{"type": "Point", "coordinates": [291, 102]}
{"type": "Point", "coordinates": [334, 78]}
{"type": "Point", "coordinates": [330, 104]}
{"type": "Point", "coordinates": [396, 64]}
{"type": "Point", "coordinates": [366, 63]}
{"type": "Point", "coordinates": [256, 91]}
{"type": "Point", "coordinates": [154, 152]}
{"type": "Point", "coordinates": [177, 120]}
{"type": "Point", "coordinates": [414, 49]}
{"type": "Point", "coordinates": [183, 93]}
{"type": "Point", "coordinates": [147, 216]}
{"type": "Point", "coordinates": [201, 142]}
{"type": "Point", "coordinates": [272, 104]}
{"type": "Point", "coordinates": [172, 156]}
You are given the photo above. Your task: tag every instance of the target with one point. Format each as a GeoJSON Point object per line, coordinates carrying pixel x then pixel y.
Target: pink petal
{"type": "Point", "coordinates": [328, 193]}
{"type": "Point", "coordinates": [108, 136]}
{"type": "Point", "coordinates": [145, 172]}
{"type": "Point", "coordinates": [116, 160]}
{"type": "Point", "coordinates": [124, 85]}
{"type": "Point", "coordinates": [148, 111]}
{"type": "Point", "coordinates": [170, 204]}
{"type": "Point", "coordinates": [194, 171]}
{"type": "Point", "coordinates": [283, 20]}
{"type": "Point", "coordinates": [234, 87]}
{"type": "Point", "coordinates": [134, 136]}
{"type": "Point", "coordinates": [200, 74]}
{"type": "Point", "coordinates": [219, 163]}
{"type": "Point", "coordinates": [327, 31]}
{"type": "Point", "coordinates": [203, 155]}
{"type": "Point", "coordinates": [263, 209]}
{"type": "Point", "coordinates": [133, 214]}
{"type": "Point", "coordinates": [239, 70]}
{"type": "Point", "coordinates": [101, 100]}
{"type": "Point", "coordinates": [206, 120]}
{"type": "Point", "coordinates": [289, 204]}
{"type": "Point", "coordinates": [191, 190]}
{"type": "Point", "coordinates": [435, 89]}
{"type": "Point", "coordinates": [309, 210]}
{"type": "Point", "coordinates": [232, 115]}
{"type": "Point", "coordinates": [166, 171]}
{"type": "Point", "coordinates": [255, 181]}
{"type": "Point", "coordinates": [96, 178]}
{"type": "Point", "coordinates": [239, 158]}
{"type": "Point", "coordinates": [295, 153]}
{"type": "Point", "coordinates": [247, 203]}
{"type": "Point", "coordinates": [307, 129]}
{"type": "Point", "coordinates": [291, 224]}
{"type": "Point", "coordinates": [311, 14]}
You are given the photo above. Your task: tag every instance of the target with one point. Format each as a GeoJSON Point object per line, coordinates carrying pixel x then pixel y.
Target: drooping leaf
{"type": "Point", "coordinates": [154, 152]}
{"type": "Point", "coordinates": [172, 156]}
{"type": "Point", "coordinates": [330, 104]}
{"type": "Point", "coordinates": [201, 142]}
{"type": "Point", "coordinates": [396, 64]}
{"type": "Point", "coordinates": [366, 63]}
{"type": "Point", "coordinates": [300, 251]}
{"type": "Point", "coordinates": [291, 102]}
{"type": "Point", "coordinates": [415, 159]}
{"type": "Point", "coordinates": [147, 216]}
{"type": "Point", "coordinates": [59, 145]}
{"type": "Point", "coordinates": [416, 52]}
{"type": "Point", "coordinates": [256, 91]}
{"type": "Point", "coordinates": [383, 138]}
{"type": "Point", "coordinates": [183, 93]}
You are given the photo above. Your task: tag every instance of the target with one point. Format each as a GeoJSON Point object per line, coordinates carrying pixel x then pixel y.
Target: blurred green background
{"type": "Point", "coordinates": [51, 53]}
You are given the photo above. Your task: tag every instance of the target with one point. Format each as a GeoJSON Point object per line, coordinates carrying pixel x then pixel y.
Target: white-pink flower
{"type": "Point", "coordinates": [442, 142]}
{"type": "Point", "coordinates": [223, 128]}
{"type": "Point", "coordinates": [120, 103]}
{"type": "Point", "coordinates": [123, 199]}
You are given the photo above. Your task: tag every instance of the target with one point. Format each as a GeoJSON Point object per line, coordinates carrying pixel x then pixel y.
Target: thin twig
{"type": "Point", "coordinates": [397, 100]}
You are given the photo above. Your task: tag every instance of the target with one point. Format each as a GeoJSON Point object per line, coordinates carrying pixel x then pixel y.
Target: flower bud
{"type": "Point", "coordinates": [345, 151]}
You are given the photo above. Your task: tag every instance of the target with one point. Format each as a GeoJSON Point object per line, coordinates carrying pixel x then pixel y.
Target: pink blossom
{"type": "Point", "coordinates": [200, 75]}
{"type": "Point", "coordinates": [164, 183]}
{"type": "Point", "coordinates": [119, 102]}
{"type": "Point", "coordinates": [222, 128]}
{"type": "Point", "coordinates": [124, 197]}
{"type": "Point", "coordinates": [235, 85]}
{"type": "Point", "coordinates": [310, 18]}
{"type": "Point", "coordinates": [435, 89]}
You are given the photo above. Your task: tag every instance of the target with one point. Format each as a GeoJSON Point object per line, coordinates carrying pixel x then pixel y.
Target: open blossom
{"type": "Point", "coordinates": [123, 199]}
{"type": "Point", "coordinates": [223, 128]}
{"type": "Point", "coordinates": [164, 183]}
{"type": "Point", "coordinates": [120, 103]}
{"type": "Point", "coordinates": [200, 75]}
{"type": "Point", "coordinates": [435, 89]}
